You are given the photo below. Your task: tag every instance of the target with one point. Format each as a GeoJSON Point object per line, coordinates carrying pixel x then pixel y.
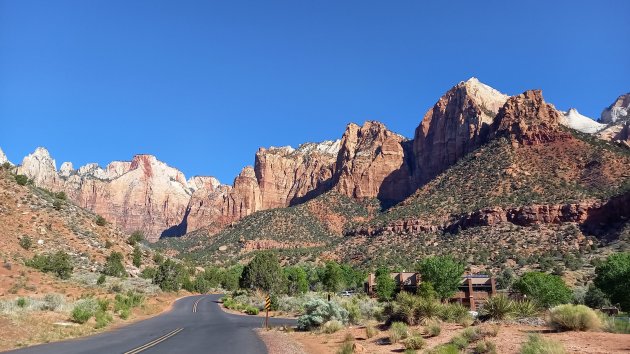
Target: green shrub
{"type": "Point", "coordinates": [53, 302]}
{"type": "Point", "coordinates": [346, 348]}
{"type": "Point", "coordinates": [537, 345]}
{"type": "Point", "coordinates": [414, 342]}
{"type": "Point", "coordinates": [114, 265]}
{"type": "Point", "coordinates": [26, 242]}
{"type": "Point", "coordinates": [332, 326]}
{"type": "Point", "coordinates": [84, 309]}
{"type": "Point", "coordinates": [100, 221]}
{"type": "Point", "coordinates": [21, 302]}
{"type": "Point", "coordinates": [148, 273]}
{"type": "Point", "coordinates": [485, 347]}
{"type": "Point", "coordinates": [61, 195]}
{"type": "Point", "coordinates": [546, 289]}
{"type": "Point", "coordinates": [386, 286]}
{"type": "Point", "coordinates": [58, 264]}
{"type": "Point", "coordinates": [460, 342]}
{"type": "Point", "coordinates": [498, 307]}
{"type": "Point", "coordinates": [434, 329]}
{"type": "Point", "coordinates": [370, 330]}
{"type": "Point", "coordinates": [398, 331]}
{"type": "Point", "coordinates": [443, 272]}
{"type": "Point", "coordinates": [169, 275]}
{"type": "Point", "coordinates": [136, 237]}
{"type": "Point", "coordinates": [102, 319]}
{"type": "Point", "coordinates": [445, 349]}
{"type": "Point", "coordinates": [453, 312]}
{"type": "Point", "coordinates": [574, 318]}
{"type": "Point", "coordinates": [22, 180]}
{"type": "Point", "coordinates": [611, 276]}
{"type": "Point", "coordinates": [103, 304]}
{"type": "Point", "coordinates": [251, 310]}
{"type": "Point", "coordinates": [472, 334]}
{"type": "Point", "coordinates": [319, 311]}
{"type": "Point", "coordinates": [57, 204]}
{"type": "Point", "coordinates": [428, 310]}
{"type": "Point", "coordinates": [137, 256]}
{"type": "Point", "coordinates": [595, 298]}
{"type": "Point", "coordinates": [101, 279]}
{"type": "Point", "coordinates": [525, 308]}
{"type": "Point", "coordinates": [124, 313]}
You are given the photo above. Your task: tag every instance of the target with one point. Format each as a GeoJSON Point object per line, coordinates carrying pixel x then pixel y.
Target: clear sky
{"type": "Point", "coordinates": [203, 84]}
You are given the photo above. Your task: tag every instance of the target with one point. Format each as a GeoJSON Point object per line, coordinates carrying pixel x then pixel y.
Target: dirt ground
{"type": "Point", "coordinates": [508, 340]}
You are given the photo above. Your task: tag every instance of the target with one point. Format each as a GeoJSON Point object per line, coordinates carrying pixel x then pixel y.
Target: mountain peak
{"type": "Point", "coordinates": [3, 157]}
{"type": "Point", "coordinates": [528, 119]}
{"type": "Point", "coordinates": [617, 111]}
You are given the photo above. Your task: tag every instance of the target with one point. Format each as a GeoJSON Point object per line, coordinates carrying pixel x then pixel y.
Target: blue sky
{"type": "Point", "coordinates": [203, 84]}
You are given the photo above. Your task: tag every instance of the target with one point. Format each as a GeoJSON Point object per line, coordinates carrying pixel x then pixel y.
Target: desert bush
{"type": "Point", "coordinates": [84, 309]}
{"type": "Point", "coordinates": [595, 298]}
{"type": "Point", "coordinates": [22, 180]}
{"type": "Point", "coordinates": [370, 330]}
{"type": "Point", "coordinates": [102, 319]}
{"type": "Point", "coordinates": [444, 349]}
{"type": "Point", "coordinates": [398, 331]}
{"type": "Point", "coordinates": [525, 308]}
{"type": "Point", "coordinates": [319, 311]}
{"type": "Point", "coordinates": [26, 242]}
{"type": "Point", "coordinates": [136, 256]}
{"type": "Point", "coordinates": [136, 237]}
{"type": "Point", "coordinates": [114, 265]}
{"type": "Point", "coordinates": [101, 279]}
{"type": "Point", "coordinates": [100, 221]}
{"type": "Point", "coordinates": [53, 302]}
{"type": "Point", "coordinates": [251, 310]}
{"type": "Point", "coordinates": [332, 326]}
{"type": "Point", "coordinates": [498, 307]}
{"type": "Point", "coordinates": [434, 329]}
{"type": "Point", "coordinates": [537, 345]}
{"type": "Point", "coordinates": [472, 334]}
{"type": "Point", "coordinates": [124, 313]}
{"type": "Point", "coordinates": [574, 318]}
{"type": "Point", "coordinates": [21, 302]}
{"type": "Point", "coordinates": [428, 310]}
{"type": "Point", "coordinates": [460, 342]}
{"type": "Point", "coordinates": [58, 264]}
{"type": "Point", "coordinates": [414, 342]}
{"type": "Point", "coordinates": [453, 312]}
{"type": "Point", "coordinates": [485, 347]}
{"type": "Point", "coordinates": [346, 348]}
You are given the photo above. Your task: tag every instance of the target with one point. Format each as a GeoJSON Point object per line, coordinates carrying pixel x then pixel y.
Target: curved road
{"type": "Point", "coordinates": [195, 324]}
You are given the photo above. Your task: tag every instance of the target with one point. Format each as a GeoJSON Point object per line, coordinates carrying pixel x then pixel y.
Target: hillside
{"type": "Point", "coordinates": [299, 233]}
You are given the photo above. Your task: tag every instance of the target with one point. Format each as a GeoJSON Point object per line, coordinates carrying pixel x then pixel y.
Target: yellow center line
{"type": "Point", "coordinates": [154, 342]}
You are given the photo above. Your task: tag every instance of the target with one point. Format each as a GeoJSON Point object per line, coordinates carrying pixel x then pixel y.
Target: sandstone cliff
{"type": "Point", "coordinates": [528, 119]}
{"type": "Point", "coordinates": [456, 125]}
{"type": "Point", "coordinates": [373, 162]}
{"type": "Point", "coordinates": [3, 158]}
{"type": "Point", "coordinates": [287, 176]}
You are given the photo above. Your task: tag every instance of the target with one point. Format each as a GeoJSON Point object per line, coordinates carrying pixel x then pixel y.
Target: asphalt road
{"type": "Point", "coordinates": [196, 324]}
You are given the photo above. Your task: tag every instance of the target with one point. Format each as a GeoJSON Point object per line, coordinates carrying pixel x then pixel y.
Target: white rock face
{"type": "Point", "coordinates": [41, 168]}
{"type": "Point", "coordinates": [3, 157]}
{"type": "Point", "coordinates": [328, 147]}
{"type": "Point", "coordinates": [485, 95]}
{"type": "Point", "coordinates": [573, 119]}
{"type": "Point", "coordinates": [66, 169]}
{"type": "Point", "coordinates": [203, 182]}
{"type": "Point", "coordinates": [618, 111]}
{"type": "Point", "coordinates": [92, 170]}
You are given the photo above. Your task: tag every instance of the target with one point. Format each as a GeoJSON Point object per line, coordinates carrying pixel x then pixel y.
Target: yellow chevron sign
{"type": "Point", "coordinates": [268, 303]}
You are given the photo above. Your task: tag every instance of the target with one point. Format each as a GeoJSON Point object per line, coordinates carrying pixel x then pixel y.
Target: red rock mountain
{"type": "Point", "coordinates": [368, 162]}
{"type": "Point", "coordinates": [457, 124]}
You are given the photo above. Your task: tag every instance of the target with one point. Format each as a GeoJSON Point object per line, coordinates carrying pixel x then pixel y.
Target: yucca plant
{"type": "Point", "coordinates": [525, 308]}
{"type": "Point", "coordinates": [498, 307]}
{"type": "Point", "coordinates": [428, 310]}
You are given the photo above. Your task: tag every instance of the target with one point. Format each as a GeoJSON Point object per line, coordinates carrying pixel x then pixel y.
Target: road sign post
{"type": "Point", "coordinates": [267, 307]}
